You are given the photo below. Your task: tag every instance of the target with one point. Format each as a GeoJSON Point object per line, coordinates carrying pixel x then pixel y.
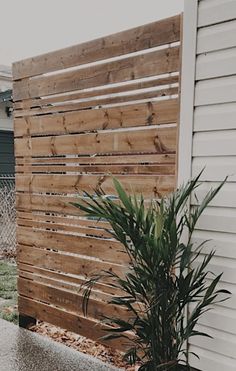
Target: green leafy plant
{"type": "Point", "coordinates": [166, 274]}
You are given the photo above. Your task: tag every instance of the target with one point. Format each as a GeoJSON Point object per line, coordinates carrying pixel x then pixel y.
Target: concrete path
{"type": "Point", "coordinates": [22, 350]}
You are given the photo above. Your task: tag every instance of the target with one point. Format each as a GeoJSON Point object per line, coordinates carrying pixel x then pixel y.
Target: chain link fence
{"type": "Point", "coordinates": [7, 215]}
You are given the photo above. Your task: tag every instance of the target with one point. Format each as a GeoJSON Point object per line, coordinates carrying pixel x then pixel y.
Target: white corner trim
{"type": "Point", "coordinates": [187, 91]}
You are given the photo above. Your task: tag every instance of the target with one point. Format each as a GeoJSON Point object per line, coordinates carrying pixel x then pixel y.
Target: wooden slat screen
{"type": "Point", "coordinates": [108, 106]}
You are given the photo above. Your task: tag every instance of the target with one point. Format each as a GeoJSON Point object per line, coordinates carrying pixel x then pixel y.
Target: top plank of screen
{"type": "Point", "coordinates": [140, 38]}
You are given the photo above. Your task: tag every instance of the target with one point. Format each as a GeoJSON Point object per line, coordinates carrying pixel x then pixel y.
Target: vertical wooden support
{"type": "Point", "coordinates": [26, 321]}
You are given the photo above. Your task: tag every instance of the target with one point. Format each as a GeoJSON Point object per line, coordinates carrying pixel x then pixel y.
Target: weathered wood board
{"type": "Point", "coordinates": [82, 114]}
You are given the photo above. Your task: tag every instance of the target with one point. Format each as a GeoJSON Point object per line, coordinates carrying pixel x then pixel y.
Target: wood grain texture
{"type": "Point", "coordinates": [158, 82]}
{"type": "Point", "coordinates": [80, 222]}
{"type": "Point", "coordinates": [67, 228]}
{"type": "Point", "coordinates": [113, 169]}
{"type": "Point", "coordinates": [103, 249]}
{"type": "Point", "coordinates": [161, 140]}
{"type": "Point", "coordinates": [47, 203]}
{"type": "Point", "coordinates": [70, 321]}
{"type": "Point", "coordinates": [67, 300]}
{"type": "Point", "coordinates": [65, 263]}
{"type": "Point", "coordinates": [149, 64]}
{"type": "Point", "coordinates": [55, 204]}
{"type": "Point", "coordinates": [140, 38]}
{"type": "Point", "coordinates": [82, 114]}
{"type": "Point", "coordinates": [161, 94]}
{"type": "Point", "coordinates": [101, 290]}
{"type": "Point", "coordinates": [124, 159]}
{"type": "Point", "coordinates": [62, 285]}
{"type": "Point", "coordinates": [148, 185]}
{"type": "Point", "coordinates": [140, 114]}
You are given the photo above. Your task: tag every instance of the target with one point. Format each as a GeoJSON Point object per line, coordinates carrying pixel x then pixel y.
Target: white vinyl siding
{"type": "Point", "coordinates": [213, 146]}
{"type": "Point", "coordinates": [215, 117]}
{"type": "Point", "coordinates": [217, 37]}
{"type": "Point", "coordinates": [216, 11]}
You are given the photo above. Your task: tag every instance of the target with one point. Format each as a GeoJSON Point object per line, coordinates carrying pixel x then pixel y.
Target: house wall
{"type": "Point", "coordinates": [7, 161]}
{"type": "Point", "coordinates": [208, 139]}
{"type": "Point", "coordinates": [6, 123]}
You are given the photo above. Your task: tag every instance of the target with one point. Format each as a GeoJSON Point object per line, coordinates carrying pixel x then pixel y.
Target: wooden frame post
{"type": "Point", "coordinates": [26, 321]}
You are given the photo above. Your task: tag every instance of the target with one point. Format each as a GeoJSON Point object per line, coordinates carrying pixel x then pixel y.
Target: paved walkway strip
{"type": "Point", "coordinates": [22, 350]}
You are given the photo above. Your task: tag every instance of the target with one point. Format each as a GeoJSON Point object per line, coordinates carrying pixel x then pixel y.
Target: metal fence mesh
{"type": "Point", "coordinates": [7, 214]}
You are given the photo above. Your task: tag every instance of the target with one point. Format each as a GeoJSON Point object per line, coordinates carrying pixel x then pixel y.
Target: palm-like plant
{"type": "Point", "coordinates": [165, 274]}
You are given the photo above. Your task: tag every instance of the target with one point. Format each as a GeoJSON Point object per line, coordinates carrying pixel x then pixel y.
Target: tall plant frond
{"type": "Point", "coordinates": [165, 276]}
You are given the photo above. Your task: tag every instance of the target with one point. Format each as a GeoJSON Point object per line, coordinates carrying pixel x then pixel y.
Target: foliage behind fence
{"type": "Point", "coordinates": [114, 112]}
{"type": "Point", "coordinates": [7, 214]}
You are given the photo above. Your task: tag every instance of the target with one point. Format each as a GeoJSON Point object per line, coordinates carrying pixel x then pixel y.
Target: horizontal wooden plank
{"type": "Point", "coordinates": [218, 143]}
{"type": "Point", "coordinates": [103, 249]}
{"type": "Point", "coordinates": [70, 228]}
{"type": "Point", "coordinates": [101, 290]}
{"type": "Point", "coordinates": [168, 169]}
{"type": "Point", "coordinates": [160, 94]}
{"type": "Point", "coordinates": [55, 208]}
{"type": "Point", "coordinates": [124, 159]}
{"type": "Point", "coordinates": [216, 37]}
{"type": "Point", "coordinates": [215, 117]}
{"type": "Point", "coordinates": [148, 185]}
{"type": "Point", "coordinates": [65, 263]}
{"type": "Point", "coordinates": [216, 64]}
{"type": "Point", "coordinates": [152, 113]}
{"type": "Point", "coordinates": [64, 285]}
{"type": "Point", "coordinates": [85, 327]}
{"type": "Point", "coordinates": [161, 140]}
{"type": "Point", "coordinates": [213, 91]}
{"type": "Point", "coordinates": [212, 12]}
{"type": "Point", "coordinates": [69, 301]}
{"type": "Point", "coordinates": [157, 82]}
{"type": "Point", "coordinates": [58, 248]}
{"type": "Point", "coordinates": [47, 203]}
{"type": "Point", "coordinates": [135, 67]}
{"type": "Point", "coordinates": [139, 38]}
{"type": "Point", "coordinates": [69, 220]}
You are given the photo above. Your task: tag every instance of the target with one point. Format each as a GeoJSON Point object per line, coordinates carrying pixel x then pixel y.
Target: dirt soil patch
{"type": "Point", "coordinates": [82, 344]}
